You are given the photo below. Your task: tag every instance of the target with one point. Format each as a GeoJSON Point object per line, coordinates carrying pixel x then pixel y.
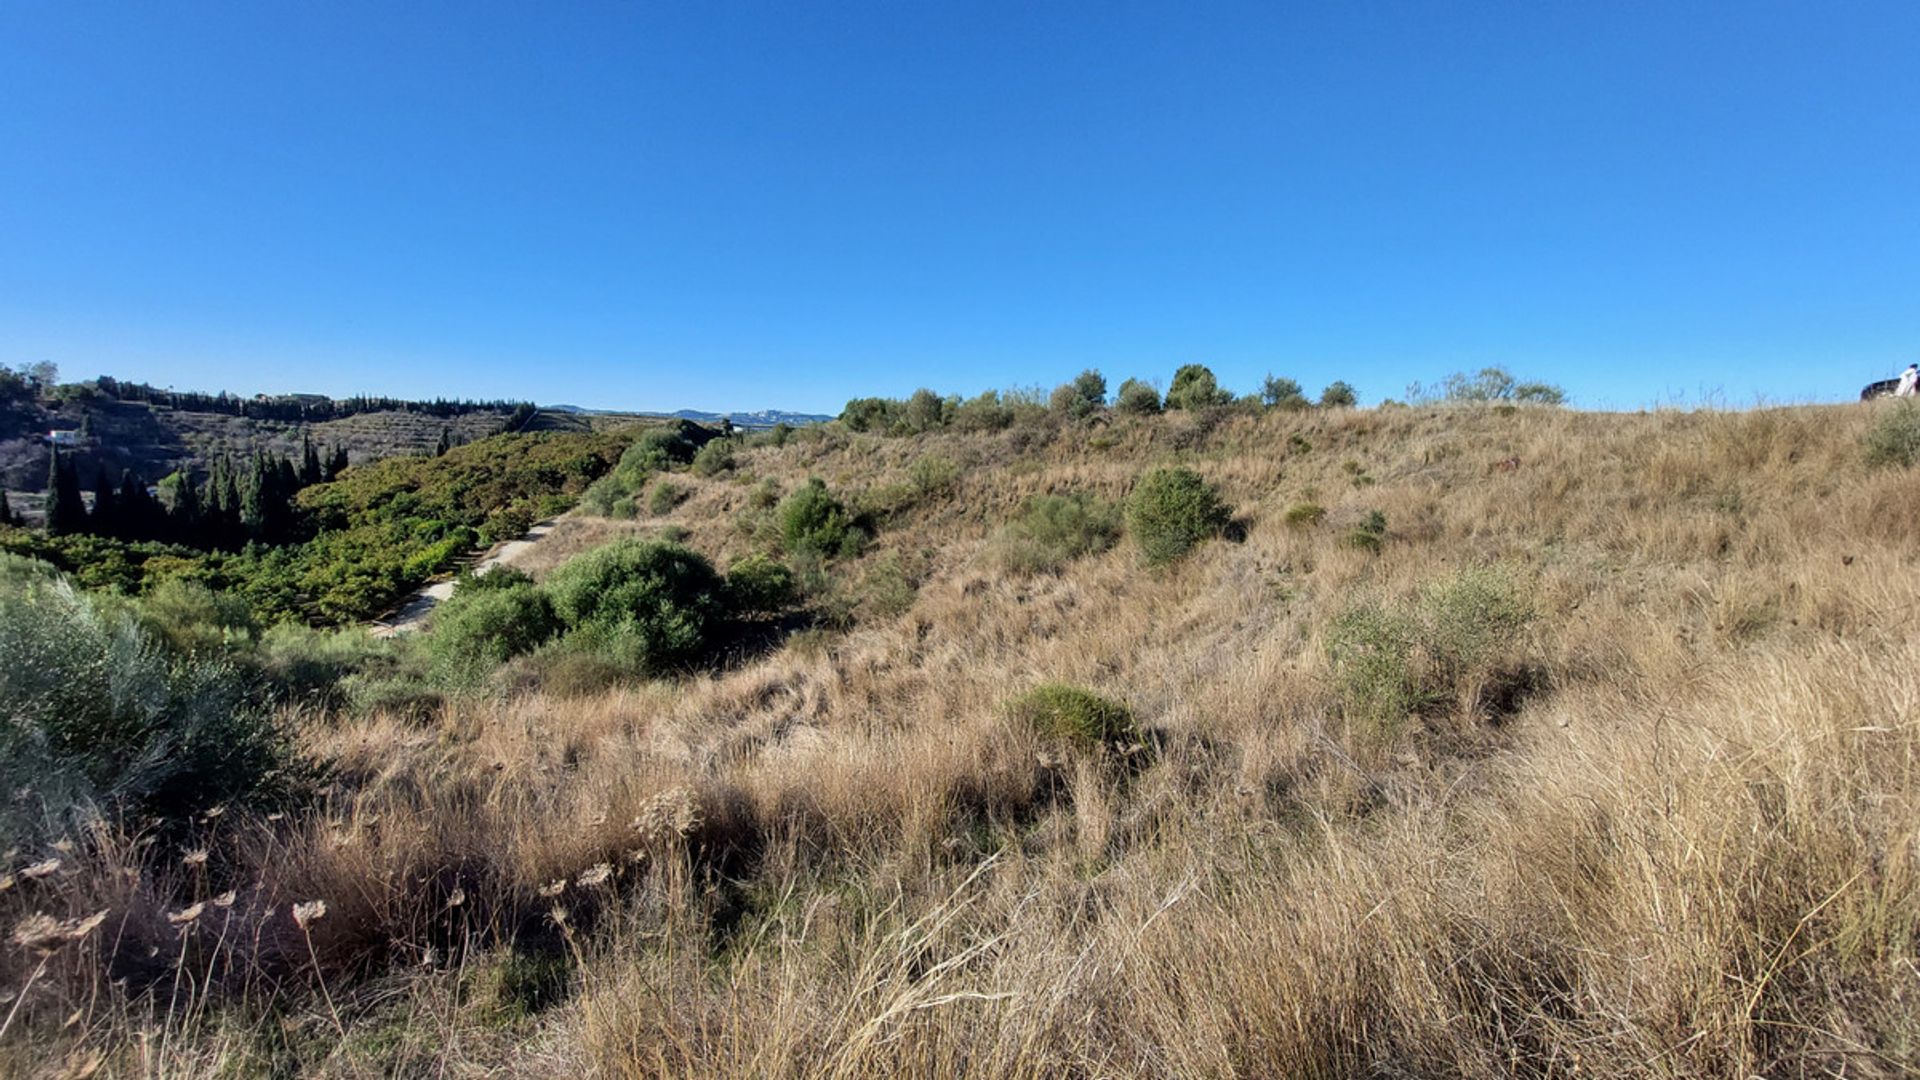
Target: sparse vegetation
{"type": "Point", "coordinates": [1894, 439]}
{"type": "Point", "coordinates": [1053, 530]}
{"type": "Point", "coordinates": [1584, 762]}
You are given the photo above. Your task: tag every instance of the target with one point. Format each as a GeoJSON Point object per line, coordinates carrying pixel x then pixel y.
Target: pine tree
{"type": "Point", "coordinates": [6, 512]}
{"type": "Point", "coordinates": [446, 444]}
{"type": "Point", "coordinates": [66, 511]}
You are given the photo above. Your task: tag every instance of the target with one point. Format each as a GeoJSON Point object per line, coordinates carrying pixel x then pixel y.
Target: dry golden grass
{"type": "Point", "coordinates": [1690, 850]}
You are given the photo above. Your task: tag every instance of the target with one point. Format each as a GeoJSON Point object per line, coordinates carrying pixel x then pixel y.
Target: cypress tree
{"type": "Point", "coordinates": [6, 512]}
{"type": "Point", "coordinates": [339, 463]}
{"type": "Point", "coordinates": [446, 444]}
{"type": "Point", "coordinates": [107, 518]}
{"type": "Point", "coordinates": [66, 511]}
{"type": "Point", "coordinates": [138, 512]}
{"type": "Point", "coordinates": [309, 461]}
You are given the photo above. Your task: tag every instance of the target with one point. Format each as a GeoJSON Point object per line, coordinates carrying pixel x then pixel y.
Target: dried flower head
{"type": "Point", "coordinates": [40, 931]}
{"type": "Point", "coordinates": [215, 812]}
{"type": "Point", "coordinates": [309, 912]}
{"type": "Point", "coordinates": [80, 928]}
{"type": "Point", "coordinates": [62, 845]}
{"type": "Point", "coordinates": [186, 914]}
{"type": "Point", "coordinates": [195, 858]}
{"type": "Point", "coordinates": [46, 868]}
{"type": "Point", "coordinates": [226, 899]}
{"type": "Point", "coordinates": [595, 875]}
{"type": "Point", "coordinates": [558, 914]}
{"type": "Point", "coordinates": [553, 888]}
{"type": "Point", "coordinates": [458, 897]}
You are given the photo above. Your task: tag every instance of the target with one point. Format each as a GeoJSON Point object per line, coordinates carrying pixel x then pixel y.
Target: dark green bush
{"type": "Point", "coordinates": [653, 607]}
{"type": "Point", "coordinates": [1081, 398]}
{"type": "Point", "coordinates": [1281, 393]}
{"type": "Point", "coordinates": [812, 520]}
{"type": "Point", "coordinates": [1338, 395]}
{"type": "Point", "coordinates": [1053, 530]}
{"type": "Point", "coordinates": [1070, 715]}
{"type": "Point", "coordinates": [1894, 439]}
{"type": "Point", "coordinates": [1137, 398]}
{"type": "Point", "coordinates": [1194, 387]}
{"type": "Point", "coordinates": [1171, 510]}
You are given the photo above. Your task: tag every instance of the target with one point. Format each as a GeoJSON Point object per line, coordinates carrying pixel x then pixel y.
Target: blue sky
{"type": "Point", "coordinates": [738, 206]}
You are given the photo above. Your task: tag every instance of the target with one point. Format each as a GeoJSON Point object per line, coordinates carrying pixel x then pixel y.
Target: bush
{"type": "Point", "coordinates": [1456, 642]}
{"type": "Point", "coordinates": [98, 714]}
{"type": "Point", "coordinates": [933, 475]}
{"type": "Point", "coordinates": [1370, 534]}
{"type": "Point", "coordinates": [1894, 438]}
{"type": "Point", "coordinates": [1305, 515]}
{"type": "Point", "coordinates": [1080, 718]}
{"type": "Point", "coordinates": [1172, 510]}
{"type": "Point", "coordinates": [812, 520]}
{"type": "Point", "coordinates": [1494, 385]}
{"type": "Point", "coordinates": [1278, 393]}
{"type": "Point", "coordinates": [651, 606]}
{"type": "Point", "coordinates": [714, 458]}
{"type": "Point", "coordinates": [477, 630]}
{"type": "Point", "coordinates": [1194, 387]}
{"type": "Point", "coordinates": [1338, 395]}
{"type": "Point", "coordinates": [194, 620]}
{"type": "Point", "coordinates": [665, 496]}
{"type": "Point", "coordinates": [1081, 398]}
{"type": "Point", "coordinates": [1053, 530]}
{"type": "Point", "coordinates": [1137, 398]}
{"type": "Point", "coordinates": [760, 585]}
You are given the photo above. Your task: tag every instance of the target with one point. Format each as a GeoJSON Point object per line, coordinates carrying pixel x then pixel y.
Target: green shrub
{"type": "Point", "coordinates": [1457, 641]}
{"type": "Point", "coordinates": [653, 607]}
{"type": "Point", "coordinates": [1137, 398]}
{"type": "Point", "coordinates": [812, 520]}
{"type": "Point", "coordinates": [1194, 387]}
{"type": "Point", "coordinates": [1370, 535]}
{"type": "Point", "coordinates": [1894, 439]}
{"type": "Point", "coordinates": [665, 496]}
{"type": "Point", "coordinates": [1338, 395]}
{"type": "Point", "coordinates": [1280, 393]}
{"type": "Point", "coordinates": [1070, 715]}
{"type": "Point", "coordinates": [192, 619]}
{"type": "Point", "coordinates": [1081, 398]}
{"type": "Point", "coordinates": [758, 585]}
{"type": "Point", "coordinates": [1171, 511]}
{"type": "Point", "coordinates": [477, 630]}
{"type": "Point", "coordinates": [933, 475]}
{"type": "Point", "coordinates": [1305, 515]}
{"type": "Point", "coordinates": [714, 458]}
{"type": "Point", "coordinates": [98, 714]}
{"type": "Point", "coordinates": [887, 590]}
{"type": "Point", "coordinates": [1053, 530]}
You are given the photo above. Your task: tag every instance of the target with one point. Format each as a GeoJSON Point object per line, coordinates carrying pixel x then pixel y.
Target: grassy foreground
{"type": "Point", "coordinates": [1484, 742]}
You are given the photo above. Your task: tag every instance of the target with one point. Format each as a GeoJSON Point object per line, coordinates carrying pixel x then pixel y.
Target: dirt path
{"type": "Point", "coordinates": [412, 614]}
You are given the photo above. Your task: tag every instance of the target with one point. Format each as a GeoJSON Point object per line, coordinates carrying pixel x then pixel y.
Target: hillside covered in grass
{"type": "Point", "coordinates": [1474, 740]}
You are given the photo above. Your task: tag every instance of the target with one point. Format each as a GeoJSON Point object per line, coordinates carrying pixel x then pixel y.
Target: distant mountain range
{"type": "Point", "coordinates": [763, 418]}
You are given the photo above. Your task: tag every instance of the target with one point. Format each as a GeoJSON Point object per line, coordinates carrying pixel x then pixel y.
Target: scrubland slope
{"type": "Point", "coordinates": [1600, 760]}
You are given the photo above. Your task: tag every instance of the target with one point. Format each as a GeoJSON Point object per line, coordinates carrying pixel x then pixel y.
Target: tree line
{"type": "Point", "coordinates": [239, 502]}
{"type": "Point", "coordinates": [294, 408]}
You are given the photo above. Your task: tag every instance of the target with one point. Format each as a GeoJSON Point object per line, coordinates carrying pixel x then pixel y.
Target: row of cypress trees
{"type": "Point", "coordinates": [238, 502]}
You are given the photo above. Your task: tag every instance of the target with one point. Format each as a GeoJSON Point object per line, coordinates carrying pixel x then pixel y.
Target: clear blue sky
{"type": "Point", "coordinates": [787, 204]}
